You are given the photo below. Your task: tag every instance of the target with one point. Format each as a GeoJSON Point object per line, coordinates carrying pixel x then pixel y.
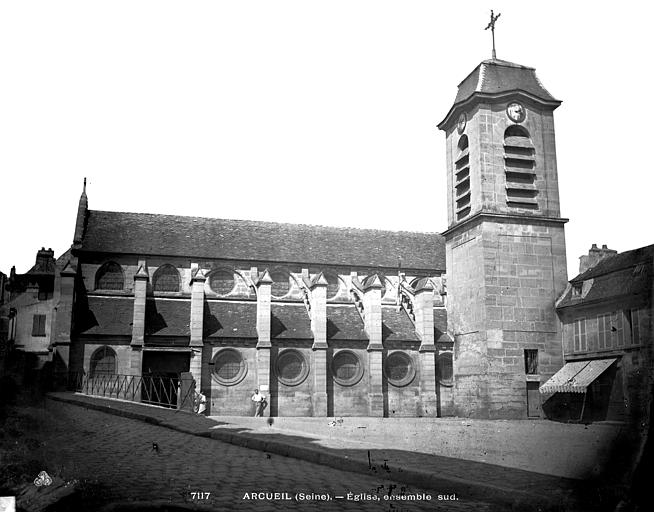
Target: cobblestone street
{"type": "Point", "coordinates": [115, 459]}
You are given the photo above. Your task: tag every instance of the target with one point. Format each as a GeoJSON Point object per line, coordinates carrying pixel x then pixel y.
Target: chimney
{"type": "Point", "coordinates": [594, 256]}
{"type": "Point", "coordinates": [45, 260]}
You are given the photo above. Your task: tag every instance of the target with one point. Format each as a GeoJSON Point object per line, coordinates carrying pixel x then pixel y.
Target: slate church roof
{"type": "Point", "coordinates": [172, 235]}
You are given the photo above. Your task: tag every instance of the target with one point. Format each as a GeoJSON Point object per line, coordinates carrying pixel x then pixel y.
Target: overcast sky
{"type": "Point", "coordinates": [304, 111]}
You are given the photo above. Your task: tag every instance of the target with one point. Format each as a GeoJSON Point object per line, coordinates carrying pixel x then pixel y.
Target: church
{"type": "Point", "coordinates": [345, 322]}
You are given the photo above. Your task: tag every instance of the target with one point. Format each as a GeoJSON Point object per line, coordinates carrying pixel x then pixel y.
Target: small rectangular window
{"type": "Point", "coordinates": [531, 361]}
{"type": "Point", "coordinates": [38, 325]}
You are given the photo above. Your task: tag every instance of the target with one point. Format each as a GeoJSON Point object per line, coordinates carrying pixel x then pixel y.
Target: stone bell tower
{"type": "Point", "coordinates": [505, 242]}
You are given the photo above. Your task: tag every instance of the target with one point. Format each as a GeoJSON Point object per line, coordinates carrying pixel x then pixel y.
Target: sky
{"type": "Point", "coordinates": [314, 112]}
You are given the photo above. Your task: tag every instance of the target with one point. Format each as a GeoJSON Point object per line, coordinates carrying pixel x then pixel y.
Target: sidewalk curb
{"type": "Point", "coordinates": [523, 500]}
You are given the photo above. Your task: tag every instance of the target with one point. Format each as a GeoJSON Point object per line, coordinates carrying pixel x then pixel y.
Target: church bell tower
{"type": "Point", "coordinates": [505, 241]}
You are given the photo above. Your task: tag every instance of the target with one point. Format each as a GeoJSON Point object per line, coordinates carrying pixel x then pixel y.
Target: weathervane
{"type": "Point", "coordinates": [491, 26]}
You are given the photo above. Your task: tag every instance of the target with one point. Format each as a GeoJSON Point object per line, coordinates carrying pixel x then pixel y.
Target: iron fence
{"type": "Point", "coordinates": [162, 391]}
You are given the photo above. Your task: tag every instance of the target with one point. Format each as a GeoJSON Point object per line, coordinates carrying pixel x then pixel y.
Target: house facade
{"type": "Point", "coordinates": [606, 313]}
{"type": "Point", "coordinates": [26, 313]}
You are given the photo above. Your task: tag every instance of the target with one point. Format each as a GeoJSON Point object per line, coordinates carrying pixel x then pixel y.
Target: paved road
{"type": "Point", "coordinates": [114, 456]}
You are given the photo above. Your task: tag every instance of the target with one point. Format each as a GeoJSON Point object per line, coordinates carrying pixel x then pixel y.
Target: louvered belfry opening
{"type": "Point", "coordinates": [520, 167]}
{"type": "Point", "coordinates": [462, 179]}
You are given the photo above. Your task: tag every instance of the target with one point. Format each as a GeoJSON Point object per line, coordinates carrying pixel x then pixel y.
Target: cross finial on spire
{"type": "Point", "coordinates": [491, 25]}
{"type": "Point", "coordinates": [84, 190]}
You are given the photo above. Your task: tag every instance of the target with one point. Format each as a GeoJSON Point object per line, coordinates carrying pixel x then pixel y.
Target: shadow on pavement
{"type": "Point", "coordinates": [513, 488]}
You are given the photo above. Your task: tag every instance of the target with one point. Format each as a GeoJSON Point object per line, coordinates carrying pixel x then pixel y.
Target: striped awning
{"type": "Point", "coordinates": [576, 376]}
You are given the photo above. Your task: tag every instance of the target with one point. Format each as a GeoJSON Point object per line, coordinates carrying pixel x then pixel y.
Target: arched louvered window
{"type": "Point", "coordinates": [462, 178]}
{"type": "Point", "coordinates": [109, 277]}
{"type": "Point", "coordinates": [520, 167]}
{"type": "Point", "coordinates": [166, 279]}
{"type": "Point", "coordinates": [103, 362]}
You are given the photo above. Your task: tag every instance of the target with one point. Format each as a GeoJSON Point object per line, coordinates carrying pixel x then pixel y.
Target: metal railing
{"type": "Point", "coordinates": [162, 391]}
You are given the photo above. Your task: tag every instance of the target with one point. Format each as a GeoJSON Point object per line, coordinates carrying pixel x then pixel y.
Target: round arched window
{"type": "Point", "coordinates": [281, 283]}
{"type": "Point", "coordinates": [399, 369]}
{"type": "Point", "coordinates": [229, 367]}
{"type": "Point", "coordinates": [103, 362]}
{"type": "Point", "coordinates": [347, 369]}
{"type": "Point", "coordinates": [463, 143]}
{"type": "Point", "coordinates": [109, 277]}
{"type": "Point", "coordinates": [445, 369]}
{"type": "Point", "coordinates": [222, 282]}
{"type": "Point", "coordinates": [291, 368]}
{"type": "Point", "coordinates": [166, 279]}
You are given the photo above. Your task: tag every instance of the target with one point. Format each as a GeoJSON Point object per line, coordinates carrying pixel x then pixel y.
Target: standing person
{"type": "Point", "coordinates": [259, 401]}
{"type": "Point", "coordinates": [201, 403]}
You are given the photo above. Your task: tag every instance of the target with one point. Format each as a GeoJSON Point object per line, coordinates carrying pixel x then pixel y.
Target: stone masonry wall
{"type": "Point", "coordinates": [502, 308]}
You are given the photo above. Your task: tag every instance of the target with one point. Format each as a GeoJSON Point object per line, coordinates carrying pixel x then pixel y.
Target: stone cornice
{"type": "Point", "coordinates": [502, 217]}
{"type": "Point", "coordinates": [479, 97]}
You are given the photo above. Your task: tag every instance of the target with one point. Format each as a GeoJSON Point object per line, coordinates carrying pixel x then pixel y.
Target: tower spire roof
{"type": "Point", "coordinates": [82, 210]}
{"type": "Point", "coordinates": [494, 78]}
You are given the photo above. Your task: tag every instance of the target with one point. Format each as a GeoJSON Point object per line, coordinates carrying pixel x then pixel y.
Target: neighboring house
{"type": "Point", "coordinates": [28, 308]}
{"type": "Point", "coordinates": [607, 339]}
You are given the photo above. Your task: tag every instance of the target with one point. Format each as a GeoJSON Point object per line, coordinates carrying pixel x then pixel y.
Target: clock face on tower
{"type": "Point", "coordinates": [516, 112]}
{"type": "Point", "coordinates": [461, 123]}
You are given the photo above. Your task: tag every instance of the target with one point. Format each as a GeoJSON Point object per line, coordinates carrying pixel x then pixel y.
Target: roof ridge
{"type": "Point", "coordinates": [603, 266]}
{"type": "Point", "coordinates": [271, 223]}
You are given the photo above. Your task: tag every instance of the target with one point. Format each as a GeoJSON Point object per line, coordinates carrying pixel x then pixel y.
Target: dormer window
{"type": "Point", "coordinates": [576, 289]}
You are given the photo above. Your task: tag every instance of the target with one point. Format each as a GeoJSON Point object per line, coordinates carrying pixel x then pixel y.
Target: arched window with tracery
{"type": "Point", "coordinates": [333, 283]}
{"type": "Point", "coordinates": [166, 279]}
{"type": "Point", "coordinates": [103, 362]}
{"type": "Point", "coordinates": [222, 282]}
{"type": "Point", "coordinates": [109, 277]}
{"type": "Point", "coordinates": [281, 283]}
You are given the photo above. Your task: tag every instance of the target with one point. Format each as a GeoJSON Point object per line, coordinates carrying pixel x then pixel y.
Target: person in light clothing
{"type": "Point", "coordinates": [259, 400]}
{"type": "Point", "coordinates": [201, 403]}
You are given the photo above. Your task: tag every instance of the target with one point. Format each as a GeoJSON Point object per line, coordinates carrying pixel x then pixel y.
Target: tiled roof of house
{"type": "Point", "coordinates": [196, 237]}
{"type": "Point", "coordinates": [627, 259]}
{"type": "Point", "coordinates": [627, 274]}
